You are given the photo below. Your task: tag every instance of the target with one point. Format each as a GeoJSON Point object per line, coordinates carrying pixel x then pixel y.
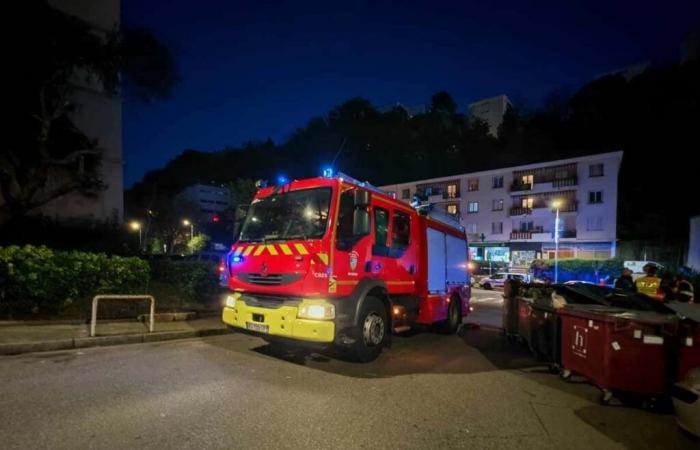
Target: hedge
{"type": "Point", "coordinates": [592, 270]}
{"type": "Point", "coordinates": [194, 281]}
{"type": "Point", "coordinates": [44, 281]}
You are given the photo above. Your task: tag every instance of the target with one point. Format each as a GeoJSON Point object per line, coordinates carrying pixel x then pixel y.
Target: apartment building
{"type": "Point", "coordinates": [491, 110]}
{"type": "Point", "coordinates": [99, 116]}
{"type": "Point", "coordinates": [206, 201]}
{"type": "Point", "coordinates": [509, 215]}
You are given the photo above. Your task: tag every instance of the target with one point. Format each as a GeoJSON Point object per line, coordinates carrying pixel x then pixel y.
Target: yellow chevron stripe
{"type": "Point", "coordinates": [238, 251]}
{"type": "Point", "coordinates": [248, 250]}
{"type": "Point", "coordinates": [259, 250]}
{"type": "Point", "coordinates": [271, 248]}
{"type": "Point", "coordinates": [285, 249]}
{"type": "Point", "coordinates": [301, 249]}
{"type": "Point", "coordinates": [323, 257]}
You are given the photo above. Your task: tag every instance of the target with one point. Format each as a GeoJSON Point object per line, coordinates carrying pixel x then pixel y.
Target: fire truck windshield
{"type": "Point", "coordinates": [301, 214]}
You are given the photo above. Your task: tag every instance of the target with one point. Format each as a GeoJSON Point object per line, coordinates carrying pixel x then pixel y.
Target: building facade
{"type": "Point", "coordinates": [491, 110]}
{"type": "Point", "coordinates": [509, 216]}
{"type": "Point", "coordinates": [204, 200]}
{"type": "Point", "coordinates": [99, 116]}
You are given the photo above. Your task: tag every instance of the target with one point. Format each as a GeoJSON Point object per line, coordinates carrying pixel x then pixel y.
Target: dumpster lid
{"type": "Point", "coordinates": [686, 310]}
{"type": "Point", "coordinates": [611, 313]}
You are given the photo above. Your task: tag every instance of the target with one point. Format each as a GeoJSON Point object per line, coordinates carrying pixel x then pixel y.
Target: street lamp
{"type": "Point", "coordinates": [191, 225]}
{"type": "Point", "coordinates": [136, 226]}
{"type": "Point", "coordinates": [556, 204]}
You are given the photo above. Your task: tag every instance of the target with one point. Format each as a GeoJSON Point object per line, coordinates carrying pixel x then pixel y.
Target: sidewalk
{"type": "Point", "coordinates": [25, 337]}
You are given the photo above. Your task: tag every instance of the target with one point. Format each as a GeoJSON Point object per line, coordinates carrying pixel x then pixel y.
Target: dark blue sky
{"type": "Point", "coordinates": [256, 69]}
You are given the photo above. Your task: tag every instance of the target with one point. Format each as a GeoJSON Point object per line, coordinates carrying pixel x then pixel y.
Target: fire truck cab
{"type": "Point", "coordinates": [335, 261]}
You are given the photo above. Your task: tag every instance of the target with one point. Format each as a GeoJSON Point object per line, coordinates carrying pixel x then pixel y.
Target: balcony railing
{"type": "Point", "coordinates": [530, 234]}
{"type": "Point", "coordinates": [564, 182]}
{"type": "Point", "coordinates": [519, 211]}
{"type": "Point", "coordinates": [520, 235]}
{"type": "Point", "coordinates": [518, 186]}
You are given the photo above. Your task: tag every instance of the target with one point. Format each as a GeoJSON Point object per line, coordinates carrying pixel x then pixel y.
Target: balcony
{"type": "Point", "coordinates": [518, 186]}
{"type": "Point", "coordinates": [539, 234]}
{"type": "Point", "coordinates": [519, 211]}
{"type": "Point", "coordinates": [565, 182]}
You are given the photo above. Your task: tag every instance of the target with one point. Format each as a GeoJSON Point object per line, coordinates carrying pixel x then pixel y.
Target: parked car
{"type": "Point", "coordinates": [499, 279]}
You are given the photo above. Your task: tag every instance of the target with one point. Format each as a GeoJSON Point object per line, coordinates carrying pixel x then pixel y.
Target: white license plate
{"type": "Point", "coordinates": [260, 328]}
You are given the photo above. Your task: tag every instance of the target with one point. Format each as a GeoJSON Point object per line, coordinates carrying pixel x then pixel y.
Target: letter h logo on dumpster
{"type": "Point", "coordinates": [580, 341]}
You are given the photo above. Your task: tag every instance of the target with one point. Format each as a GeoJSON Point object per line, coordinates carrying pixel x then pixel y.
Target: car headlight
{"type": "Point", "coordinates": [230, 301]}
{"type": "Point", "coordinates": [318, 310]}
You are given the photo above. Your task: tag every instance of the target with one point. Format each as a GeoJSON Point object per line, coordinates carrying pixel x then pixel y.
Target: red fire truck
{"type": "Point", "coordinates": [331, 260]}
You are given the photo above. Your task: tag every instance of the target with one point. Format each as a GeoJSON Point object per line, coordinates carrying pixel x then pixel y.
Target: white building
{"type": "Point", "coordinates": [491, 111]}
{"type": "Point", "coordinates": [507, 212]}
{"type": "Point", "coordinates": [694, 244]}
{"type": "Point", "coordinates": [207, 201]}
{"type": "Point", "coordinates": [99, 116]}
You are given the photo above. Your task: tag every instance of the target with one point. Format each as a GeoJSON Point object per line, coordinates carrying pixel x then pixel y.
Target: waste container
{"type": "Point", "coordinates": [617, 349]}
{"type": "Point", "coordinates": [510, 307]}
{"type": "Point", "coordinates": [545, 333]}
{"type": "Point", "coordinates": [525, 320]}
{"type": "Point", "coordinates": [689, 348]}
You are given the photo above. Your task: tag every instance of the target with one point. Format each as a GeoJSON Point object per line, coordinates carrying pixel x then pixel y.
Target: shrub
{"type": "Point", "coordinates": [592, 270]}
{"type": "Point", "coordinates": [41, 280]}
{"type": "Point", "coordinates": [195, 281]}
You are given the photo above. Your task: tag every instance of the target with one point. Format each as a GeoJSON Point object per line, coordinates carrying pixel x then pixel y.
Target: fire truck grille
{"type": "Point", "coordinates": [268, 301]}
{"type": "Point", "coordinates": [270, 279]}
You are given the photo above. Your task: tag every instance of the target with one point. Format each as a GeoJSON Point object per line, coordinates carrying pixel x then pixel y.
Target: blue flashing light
{"type": "Point", "coordinates": [261, 184]}
{"type": "Point", "coordinates": [282, 180]}
{"type": "Point", "coordinates": [237, 259]}
{"type": "Point", "coordinates": [328, 172]}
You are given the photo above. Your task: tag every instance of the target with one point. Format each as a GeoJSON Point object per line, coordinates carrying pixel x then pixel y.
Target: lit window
{"type": "Point", "coordinates": [452, 208]}
{"type": "Point", "coordinates": [527, 179]}
{"type": "Point", "coordinates": [473, 207]}
{"type": "Point", "coordinates": [451, 191]}
{"type": "Point", "coordinates": [527, 202]}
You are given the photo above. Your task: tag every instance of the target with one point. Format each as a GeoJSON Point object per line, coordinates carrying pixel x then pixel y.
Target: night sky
{"type": "Point", "coordinates": [252, 70]}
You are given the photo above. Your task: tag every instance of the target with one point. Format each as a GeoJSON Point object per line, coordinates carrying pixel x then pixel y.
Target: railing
{"type": "Point", "coordinates": [518, 186]}
{"type": "Point", "coordinates": [519, 211]}
{"type": "Point", "coordinates": [96, 299]}
{"type": "Point", "coordinates": [564, 182]}
{"type": "Point", "coordinates": [520, 235]}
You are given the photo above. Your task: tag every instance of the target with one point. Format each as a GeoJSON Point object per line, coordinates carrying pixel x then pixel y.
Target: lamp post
{"type": "Point", "coordinates": [191, 225]}
{"type": "Point", "coordinates": [136, 226]}
{"type": "Point", "coordinates": [556, 204]}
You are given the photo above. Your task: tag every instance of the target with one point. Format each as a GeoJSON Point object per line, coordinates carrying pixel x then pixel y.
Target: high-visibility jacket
{"type": "Point", "coordinates": [651, 286]}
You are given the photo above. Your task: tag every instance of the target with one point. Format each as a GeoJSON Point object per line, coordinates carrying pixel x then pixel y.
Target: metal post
{"type": "Point", "coordinates": [140, 244]}
{"type": "Point", "coordinates": [556, 248]}
{"type": "Point", "coordinates": [191, 231]}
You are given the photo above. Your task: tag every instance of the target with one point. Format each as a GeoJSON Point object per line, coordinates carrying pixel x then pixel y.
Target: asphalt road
{"type": "Point", "coordinates": [236, 391]}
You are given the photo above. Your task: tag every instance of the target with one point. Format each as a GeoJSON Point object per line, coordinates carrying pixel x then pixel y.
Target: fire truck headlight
{"type": "Point", "coordinates": [318, 310]}
{"type": "Point", "coordinates": [230, 301]}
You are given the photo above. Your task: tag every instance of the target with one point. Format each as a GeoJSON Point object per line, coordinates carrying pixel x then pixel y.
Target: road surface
{"type": "Point", "coordinates": [236, 391]}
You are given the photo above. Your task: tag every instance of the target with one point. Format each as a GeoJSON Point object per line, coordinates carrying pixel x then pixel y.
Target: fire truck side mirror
{"type": "Point", "coordinates": [362, 198]}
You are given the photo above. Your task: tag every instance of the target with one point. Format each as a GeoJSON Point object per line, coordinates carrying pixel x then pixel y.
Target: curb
{"type": "Point", "coordinates": [104, 341]}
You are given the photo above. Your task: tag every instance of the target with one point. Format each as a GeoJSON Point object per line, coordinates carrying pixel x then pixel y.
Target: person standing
{"type": "Point", "coordinates": [625, 282]}
{"type": "Point", "coordinates": [683, 290]}
{"type": "Point", "coordinates": [650, 283]}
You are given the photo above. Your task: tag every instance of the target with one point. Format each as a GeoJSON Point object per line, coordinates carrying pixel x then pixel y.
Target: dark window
{"type": "Point", "coordinates": [405, 194]}
{"type": "Point", "coordinates": [345, 217]}
{"type": "Point", "coordinates": [595, 197]}
{"type": "Point", "coordinates": [401, 231]}
{"type": "Point", "coordinates": [596, 170]}
{"type": "Point", "coordinates": [497, 182]}
{"type": "Point", "coordinates": [381, 231]}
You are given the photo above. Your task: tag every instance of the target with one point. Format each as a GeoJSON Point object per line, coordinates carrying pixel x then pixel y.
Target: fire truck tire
{"type": "Point", "coordinates": [454, 317]}
{"type": "Point", "coordinates": [373, 330]}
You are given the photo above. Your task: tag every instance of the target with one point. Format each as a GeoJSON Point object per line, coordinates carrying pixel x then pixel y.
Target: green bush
{"type": "Point", "coordinates": [592, 270]}
{"type": "Point", "coordinates": [41, 280]}
{"type": "Point", "coordinates": [195, 281]}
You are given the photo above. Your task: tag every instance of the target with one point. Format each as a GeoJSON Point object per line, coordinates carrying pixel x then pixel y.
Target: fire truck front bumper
{"type": "Point", "coordinates": [308, 320]}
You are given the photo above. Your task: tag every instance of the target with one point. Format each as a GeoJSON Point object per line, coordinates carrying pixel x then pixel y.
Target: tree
{"type": "Point", "coordinates": [443, 102]}
{"type": "Point", "coordinates": [46, 155]}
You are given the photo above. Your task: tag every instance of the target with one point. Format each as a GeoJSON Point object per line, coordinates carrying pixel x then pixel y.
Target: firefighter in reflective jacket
{"type": "Point", "coordinates": [650, 283]}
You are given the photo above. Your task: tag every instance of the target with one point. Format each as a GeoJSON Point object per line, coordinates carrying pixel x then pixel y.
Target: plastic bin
{"type": "Point", "coordinates": [546, 333]}
{"type": "Point", "coordinates": [525, 320]}
{"type": "Point", "coordinates": [688, 349]}
{"type": "Point", "coordinates": [618, 350]}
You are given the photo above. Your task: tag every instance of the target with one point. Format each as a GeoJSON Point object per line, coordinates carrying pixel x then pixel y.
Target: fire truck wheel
{"type": "Point", "coordinates": [374, 327]}
{"type": "Point", "coordinates": [454, 317]}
